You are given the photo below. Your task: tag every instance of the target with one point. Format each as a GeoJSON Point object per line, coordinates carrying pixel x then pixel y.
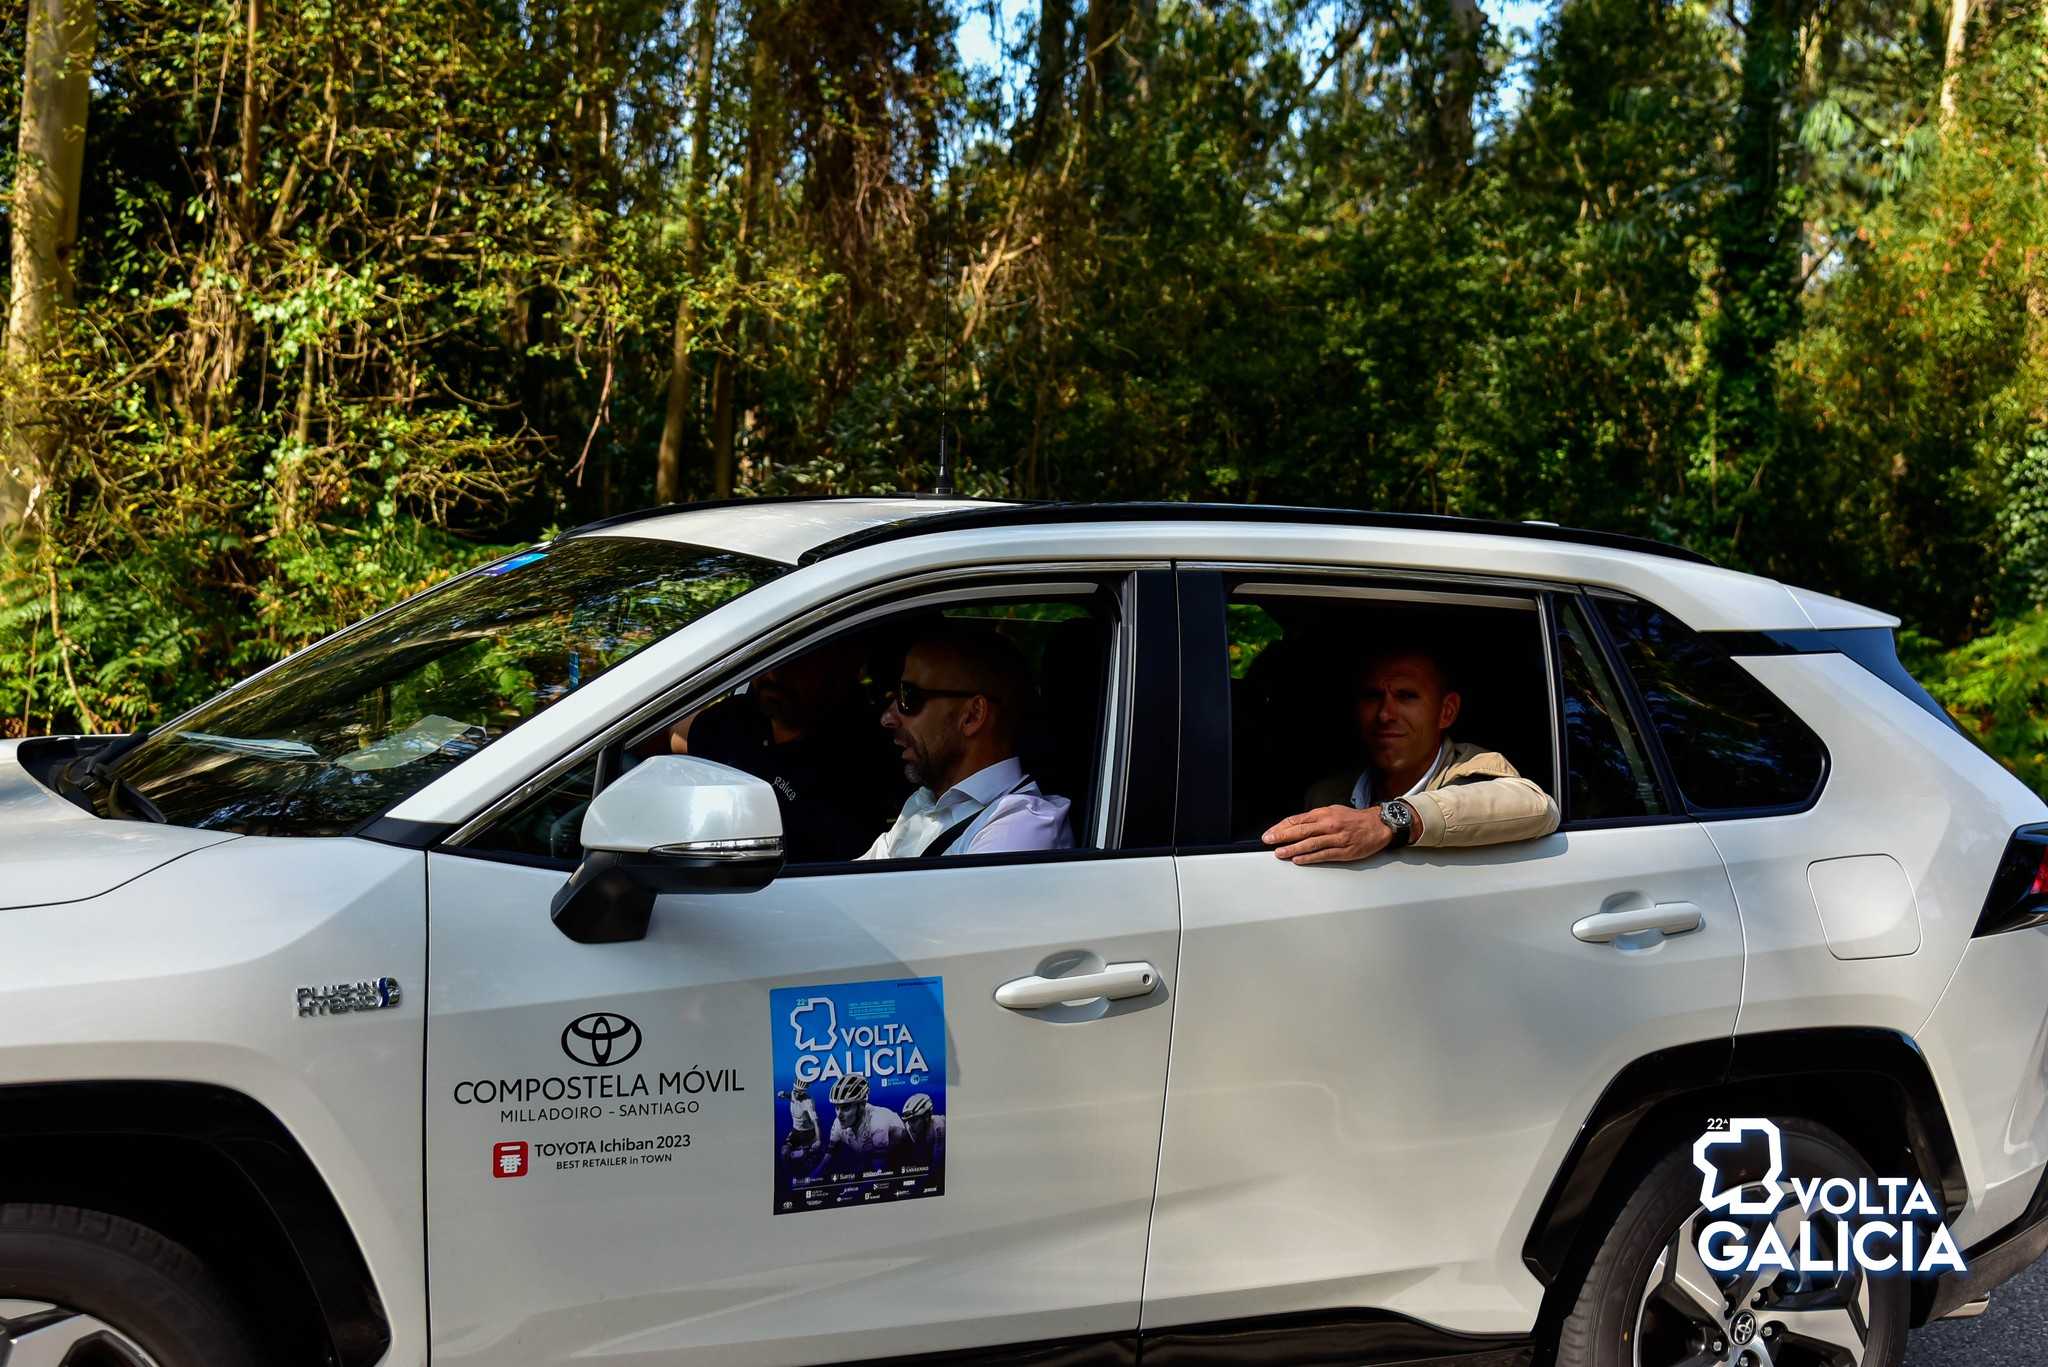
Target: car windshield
{"type": "Point", "coordinates": [343, 731]}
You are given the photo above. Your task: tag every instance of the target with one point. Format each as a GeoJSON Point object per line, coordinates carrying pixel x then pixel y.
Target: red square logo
{"type": "Point", "coordinates": [508, 1158]}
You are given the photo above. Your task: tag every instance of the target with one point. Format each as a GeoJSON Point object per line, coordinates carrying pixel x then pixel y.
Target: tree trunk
{"type": "Point", "coordinates": [1952, 57]}
{"type": "Point", "coordinates": [1758, 281]}
{"type": "Point", "coordinates": [1055, 25]}
{"type": "Point", "coordinates": [1459, 91]}
{"type": "Point", "coordinates": [1103, 74]}
{"type": "Point", "coordinates": [668, 476]}
{"type": "Point", "coordinates": [252, 117]}
{"type": "Point", "coordinates": [753, 181]}
{"type": "Point", "coordinates": [56, 68]}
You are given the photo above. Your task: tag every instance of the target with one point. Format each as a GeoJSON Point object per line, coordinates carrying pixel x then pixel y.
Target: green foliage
{"type": "Point", "coordinates": [1720, 274]}
{"type": "Point", "coordinates": [1997, 689]}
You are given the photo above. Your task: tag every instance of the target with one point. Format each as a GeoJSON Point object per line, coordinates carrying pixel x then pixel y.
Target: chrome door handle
{"type": "Point", "coordinates": [1672, 918]}
{"type": "Point", "coordinates": [1115, 982]}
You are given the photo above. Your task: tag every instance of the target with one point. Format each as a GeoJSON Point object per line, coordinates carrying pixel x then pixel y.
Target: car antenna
{"type": "Point", "coordinates": [943, 485]}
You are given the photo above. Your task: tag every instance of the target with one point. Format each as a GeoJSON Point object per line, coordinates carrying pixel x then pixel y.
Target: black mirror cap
{"type": "Point", "coordinates": [610, 898]}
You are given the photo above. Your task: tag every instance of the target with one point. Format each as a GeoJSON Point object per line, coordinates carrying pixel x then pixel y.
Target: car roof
{"type": "Point", "coordinates": [788, 529]}
{"type": "Point", "coordinates": [802, 530]}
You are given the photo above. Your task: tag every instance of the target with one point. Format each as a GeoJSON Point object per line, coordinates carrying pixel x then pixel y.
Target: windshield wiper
{"type": "Point", "coordinates": [121, 745]}
{"type": "Point", "coordinates": [89, 780]}
{"type": "Point", "coordinates": [134, 800]}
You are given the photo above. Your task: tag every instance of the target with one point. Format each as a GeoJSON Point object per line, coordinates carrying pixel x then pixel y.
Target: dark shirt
{"type": "Point", "coordinates": [839, 784]}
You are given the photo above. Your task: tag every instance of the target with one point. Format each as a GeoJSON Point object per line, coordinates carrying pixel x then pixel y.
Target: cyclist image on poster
{"type": "Point", "coordinates": [860, 1087]}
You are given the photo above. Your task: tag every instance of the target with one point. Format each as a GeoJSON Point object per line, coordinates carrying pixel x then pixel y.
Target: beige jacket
{"type": "Point", "coordinates": [1477, 798]}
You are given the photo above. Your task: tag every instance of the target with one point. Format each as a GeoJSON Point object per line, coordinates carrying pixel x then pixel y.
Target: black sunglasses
{"type": "Point", "coordinates": [909, 699]}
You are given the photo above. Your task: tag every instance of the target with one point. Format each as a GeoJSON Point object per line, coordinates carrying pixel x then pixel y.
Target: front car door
{"type": "Point", "coordinates": [607, 1124]}
{"type": "Point", "coordinates": [1378, 1067]}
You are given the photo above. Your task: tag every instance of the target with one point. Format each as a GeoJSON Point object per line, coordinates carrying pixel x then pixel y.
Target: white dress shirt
{"type": "Point", "coordinates": [1010, 815]}
{"type": "Point", "coordinates": [1361, 791]}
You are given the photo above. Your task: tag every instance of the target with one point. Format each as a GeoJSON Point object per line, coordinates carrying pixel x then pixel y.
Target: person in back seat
{"type": "Point", "coordinates": [1418, 786]}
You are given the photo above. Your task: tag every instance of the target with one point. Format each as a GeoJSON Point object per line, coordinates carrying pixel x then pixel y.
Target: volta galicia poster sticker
{"type": "Point", "coordinates": [860, 1093]}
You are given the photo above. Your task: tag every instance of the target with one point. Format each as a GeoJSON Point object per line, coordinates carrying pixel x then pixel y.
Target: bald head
{"type": "Point", "coordinates": [969, 690]}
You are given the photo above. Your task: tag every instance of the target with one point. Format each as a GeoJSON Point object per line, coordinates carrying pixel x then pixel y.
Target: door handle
{"type": "Point", "coordinates": [1115, 982]}
{"type": "Point", "coordinates": [1672, 918]}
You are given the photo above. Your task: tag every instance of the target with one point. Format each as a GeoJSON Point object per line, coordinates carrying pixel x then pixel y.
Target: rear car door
{"type": "Point", "coordinates": [1378, 1067]}
{"type": "Point", "coordinates": [607, 1124]}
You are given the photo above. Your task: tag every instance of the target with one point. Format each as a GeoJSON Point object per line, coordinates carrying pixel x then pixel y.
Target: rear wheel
{"type": "Point", "coordinates": [1650, 1300]}
{"type": "Point", "coordinates": [83, 1288]}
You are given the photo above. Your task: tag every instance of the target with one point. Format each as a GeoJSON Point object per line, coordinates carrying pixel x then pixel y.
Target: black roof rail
{"type": "Point", "coordinates": [1038, 514]}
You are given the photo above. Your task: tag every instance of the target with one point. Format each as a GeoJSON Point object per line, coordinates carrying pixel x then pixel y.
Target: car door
{"type": "Point", "coordinates": [1378, 1067]}
{"type": "Point", "coordinates": [604, 1121]}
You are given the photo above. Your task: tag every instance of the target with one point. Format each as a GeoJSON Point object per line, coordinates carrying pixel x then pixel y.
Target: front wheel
{"type": "Point", "coordinates": [82, 1288]}
{"type": "Point", "coordinates": [1651, 1301]}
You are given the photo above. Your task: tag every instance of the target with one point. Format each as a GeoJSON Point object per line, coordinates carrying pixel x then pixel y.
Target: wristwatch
{"type": "Point", "coordinates": [1400, 819]}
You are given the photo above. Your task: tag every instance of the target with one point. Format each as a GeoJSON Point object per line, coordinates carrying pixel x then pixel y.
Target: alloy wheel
{"type": "Point", "coordinates": [41, 1334]}
{"type": "Point", "coordinates": [1688, 1315]}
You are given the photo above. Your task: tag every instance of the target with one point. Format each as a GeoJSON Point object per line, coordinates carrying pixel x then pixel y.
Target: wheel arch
{"type": "Point", "coordinates": [216, 1170]}
{"type": "Point", "coordinates": [1872, 1086]}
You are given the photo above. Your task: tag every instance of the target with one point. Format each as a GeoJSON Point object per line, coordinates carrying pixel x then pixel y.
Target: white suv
{"type": "Point", "coordinates": [413, 1001]}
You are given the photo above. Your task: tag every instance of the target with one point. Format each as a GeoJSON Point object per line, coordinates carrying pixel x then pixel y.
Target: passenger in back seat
{"type": "Point", "coordinates": [1418, 786]}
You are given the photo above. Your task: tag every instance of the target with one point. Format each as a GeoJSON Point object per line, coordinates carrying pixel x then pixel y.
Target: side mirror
{"type": "Point", "coordinates": [673, 823]}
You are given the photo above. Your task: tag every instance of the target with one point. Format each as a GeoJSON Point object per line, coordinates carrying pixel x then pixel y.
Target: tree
{"type": "Point", "coordinates": [669, 479]}
{"type": "Point", "coordinates": [56, 71]}
{"type": "Point", "coordinates": [1952, 57]}
{"type": "Point", "coordinates": [1757, 282]}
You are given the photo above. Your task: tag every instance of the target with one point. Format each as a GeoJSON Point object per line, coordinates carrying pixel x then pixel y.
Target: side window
{"type": "Point", "coordinates": [1297, 654]}
{"type": "Point", "coordinates": [1732, 745]}
{"type": "Point", "coordinates": [812, 725]}
{"type": "Point", "coordinates": [547, 825]}
{"type": "Point", "coordinates": [1608, 772]}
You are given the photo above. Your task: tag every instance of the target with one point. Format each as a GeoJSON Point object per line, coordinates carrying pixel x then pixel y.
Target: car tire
{"type": "Point", "coordinates": [1633, 1312]}
{"type": "Point", "coordinates": [84, 1286]}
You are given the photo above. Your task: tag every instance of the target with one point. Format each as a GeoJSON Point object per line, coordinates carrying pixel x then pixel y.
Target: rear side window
{"type": "Point", "coordinates": [1609, 774]}
{"type": "Point", "coordinates": [1732, 745]}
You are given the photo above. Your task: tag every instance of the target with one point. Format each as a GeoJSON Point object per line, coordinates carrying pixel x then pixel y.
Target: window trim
{"type": "Point", "coordinates": [1116, 754]}
{"type": "Point", "coordinates": [1645, 724]}
{"type": "Point", "coordinates": [1603, 659]}
{"type": "Point", "coordinates": [1202, 659]}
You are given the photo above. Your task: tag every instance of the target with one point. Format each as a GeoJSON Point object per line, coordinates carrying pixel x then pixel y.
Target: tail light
{"type": "Point", "coordinates": [2019, 890]}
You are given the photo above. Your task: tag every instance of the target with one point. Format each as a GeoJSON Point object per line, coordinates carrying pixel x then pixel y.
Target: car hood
{"type": "Point", "coordinates": [52, 851]}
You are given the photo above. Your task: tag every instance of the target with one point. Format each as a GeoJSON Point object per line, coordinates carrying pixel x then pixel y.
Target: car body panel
{"type": "Point", "coordinates": [1828, 613]}
{"type": "Point", "coordinates": [1350, 1037]}
{"type": "Point", "coordinates": [1051, 1146]}
{"type": "Point", "coordinates": [1987, 1042]}
{"type": "Point", "coordinates": [191, 974]}
{"type": "Point", "coordinates": [54, 851]}
{"type": "Point", "coordinates": [1903, 785]}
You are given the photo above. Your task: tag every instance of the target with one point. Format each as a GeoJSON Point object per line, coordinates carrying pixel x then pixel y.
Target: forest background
{"type": "Point", "coordinates": [313, 302]}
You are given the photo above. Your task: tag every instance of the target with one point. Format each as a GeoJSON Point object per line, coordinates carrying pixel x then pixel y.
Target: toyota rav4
{"type": "Point", "coordinates": [421, 998]}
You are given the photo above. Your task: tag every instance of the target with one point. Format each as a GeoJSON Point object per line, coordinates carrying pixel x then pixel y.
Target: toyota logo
{"type": "Point", "coordinates": [601, 1039]}
{"type": "Point", "coordinates": [1742, 1328]}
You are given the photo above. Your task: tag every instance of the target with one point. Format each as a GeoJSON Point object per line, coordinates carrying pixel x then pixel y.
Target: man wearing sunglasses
{"type": "Point", "coordinates": [1418, 787]}
{"type": "Point", "coordinates": [955, 717]}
